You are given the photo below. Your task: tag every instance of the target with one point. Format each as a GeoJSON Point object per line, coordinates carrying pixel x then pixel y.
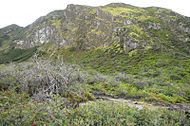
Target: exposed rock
{"type": "Point", "coordinates": [89, 27]}
{"type": "Point", "coordinates": [153, 25]}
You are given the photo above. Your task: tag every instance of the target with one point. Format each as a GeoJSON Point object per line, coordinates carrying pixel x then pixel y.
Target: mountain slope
{"type": "Point", "coordinates": [87, 27]}
{"type": "Point", "coordinates": [116, 53]}
{"type": "Point", "coordinates": [8, 34]}
{"type": "Point", "coordinates": [152, 43]}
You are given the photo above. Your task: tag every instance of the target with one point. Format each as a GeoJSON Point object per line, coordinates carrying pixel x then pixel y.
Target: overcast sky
{"type": "Point", "coordinates": [24, 12]}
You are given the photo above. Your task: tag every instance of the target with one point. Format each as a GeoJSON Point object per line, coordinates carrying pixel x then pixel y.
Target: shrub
{"type": "Point", "coordinates": [19, 109]}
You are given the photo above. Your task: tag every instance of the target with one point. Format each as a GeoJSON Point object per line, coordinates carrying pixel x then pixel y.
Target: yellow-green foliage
{"type": "Point", "coordinates": [136, 32]}
{"type": "Point", "coordinates": [145, 63]}
{"type": "Point", "coordinates": [149, 18]}
{"type": "Point", "coordinates": [120, 10]}
{"type": "Point", "coordinates": [133, 34]}
{"type": "Point", "coordinates": [148, 47]}
{"type": "Point", "coordinates": [135, 28]}
{"type": "Point", "coordinates": [57, 23]}
{"type": "Point", "coordinates": [97, 32]}
{"type": "Point", "coordinates": [132, 53]}
{"type": "Point", "coordinates": [118, 21]}
{"type": "Point", "coordinates": [92, 10]}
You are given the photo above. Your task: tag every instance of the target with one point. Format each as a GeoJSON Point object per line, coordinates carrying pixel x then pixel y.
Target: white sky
{"type": "Point", "coordinates": [24, 12]}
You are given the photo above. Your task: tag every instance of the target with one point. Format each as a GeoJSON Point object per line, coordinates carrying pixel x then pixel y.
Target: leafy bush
{"type": "Point", "coordinates": [19, 109]}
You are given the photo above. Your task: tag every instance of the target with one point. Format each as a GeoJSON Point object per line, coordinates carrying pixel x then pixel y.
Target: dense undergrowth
{"type": "Point", "coordinates": [156, 75]}
{"type": "Point", "coordinates": [147, 58]}
{"type": "Point", "coordinates": [20, 109]}
{"type": "Point", "coordinates": [19, 55]}
{"type": "Point", "coordinates": [49, 88]}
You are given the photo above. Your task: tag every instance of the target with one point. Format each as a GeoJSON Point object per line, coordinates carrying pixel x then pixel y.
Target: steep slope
{"type": "Point", "coordinates": [149, 44]}
{"type": "Point", "coordinates": [8, 34]}
{"type": "Point", "coordinates": [153, 43]}
{"type": "Point", "coordinates": [87, 27]}
{"type": "Point", "coordinates": [9, 50]}
{"type": "Point", "coordinates": [89, 53]}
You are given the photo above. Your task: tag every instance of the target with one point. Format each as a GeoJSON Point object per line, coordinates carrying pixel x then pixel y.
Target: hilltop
{"type": "Point", "coordinates": [88, 27]}
{"type": "Point", "coordinates": [84, 53]}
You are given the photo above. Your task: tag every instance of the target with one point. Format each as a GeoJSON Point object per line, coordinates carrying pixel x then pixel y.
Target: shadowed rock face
{"type": "Point", "coordinates": [87, 27]}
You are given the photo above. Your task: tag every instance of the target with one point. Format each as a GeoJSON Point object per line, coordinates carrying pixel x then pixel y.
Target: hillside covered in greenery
{"type": "Point", "coordinates": [110, 65]}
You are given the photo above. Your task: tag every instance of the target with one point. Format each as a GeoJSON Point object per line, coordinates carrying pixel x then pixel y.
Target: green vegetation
{"type": "Point", "coordinates": [120, 10]}
{"type": "Point", "coordinates": [17, 54]}
{"type": "Point", "coordinates": [8, 35]}
{"type": "Point", "coordinates": [150, 74]}
{"type": "Point", "coordinates": [113, 52]}
{"type": "Point", "coordinates": [19, 109]}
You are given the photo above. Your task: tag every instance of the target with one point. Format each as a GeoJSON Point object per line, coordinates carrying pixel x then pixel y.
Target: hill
{"type": "Point", "coordinates": [84, 27]}
{"type": "Point", "coordinates": [116, 53]}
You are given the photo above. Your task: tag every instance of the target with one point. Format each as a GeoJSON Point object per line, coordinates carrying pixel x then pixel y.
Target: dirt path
{"type": "Point", "coordinates": [140, 104]}
{"type": "Point", "coordinates": [130, 103]}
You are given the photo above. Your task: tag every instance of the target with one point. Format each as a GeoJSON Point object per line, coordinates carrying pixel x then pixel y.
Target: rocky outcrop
{"type": "Point", "coordinates": [87, 27]}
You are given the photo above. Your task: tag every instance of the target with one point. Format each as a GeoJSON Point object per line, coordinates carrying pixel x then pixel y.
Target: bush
{"type": "Point", "coordinates": [19, 109]}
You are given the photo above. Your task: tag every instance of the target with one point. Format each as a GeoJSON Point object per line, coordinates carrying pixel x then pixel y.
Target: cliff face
{"type": "Point", "coordinates": [80, 26]}
{"type": "Point", "coordinates": [87, 27]}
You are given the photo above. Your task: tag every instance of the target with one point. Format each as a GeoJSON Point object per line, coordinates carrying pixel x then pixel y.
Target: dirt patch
{"type": "Point", "coordinates": [140, 105]}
